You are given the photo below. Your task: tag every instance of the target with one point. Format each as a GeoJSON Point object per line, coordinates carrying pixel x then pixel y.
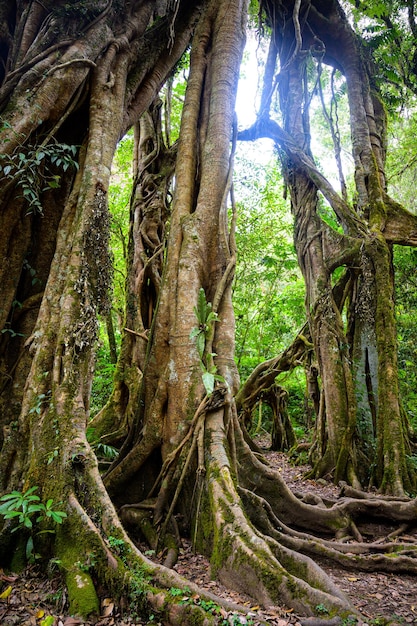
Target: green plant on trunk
{"type": "Point", "coordinates": [26, 508]}
{"type": "Point", "coordinates": [35, 170]}
{"type": "Point", "coordinates": [206, 318]}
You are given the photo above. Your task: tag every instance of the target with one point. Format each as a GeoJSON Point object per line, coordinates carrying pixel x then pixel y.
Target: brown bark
{"type": "Point", "coordinates": [183, 441]}
{"type": "Point", "coordinates": [149, 212]}
{"type": "Point", "coordinates": [359, 422]}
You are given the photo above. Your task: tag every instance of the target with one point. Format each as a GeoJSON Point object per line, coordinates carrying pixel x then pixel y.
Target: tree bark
{"type": "Point", "coordinates": [185, 454]}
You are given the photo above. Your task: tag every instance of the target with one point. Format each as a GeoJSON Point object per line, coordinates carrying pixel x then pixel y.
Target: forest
{"type": "Point", "coordinates": [186, 288]}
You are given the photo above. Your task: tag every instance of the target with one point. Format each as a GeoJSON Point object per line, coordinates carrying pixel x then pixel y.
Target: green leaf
{"type": "Point", "coordinates": [12, 495]}
{"type": "Point", "coordinates": [201, 309]}
{"type": "Point", "coordinates": [11, 514]}
{"type": "Point", "coordinates": [29, 548]}
{"type": "Point", "coordinates": [201, 344]}
{"type": "Point", "coordinates": [57, 516]}
{"type": "Point", "coordinates": [35, 508]}
{"type": "Point", "coordinates": [195, 332]}
{"type": "Point", "coordinates": [211, 317]}
{"type": "Point", "coordinates": [208, 382]}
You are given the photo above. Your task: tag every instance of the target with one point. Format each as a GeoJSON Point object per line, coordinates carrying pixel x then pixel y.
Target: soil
{"type": "Point", "coordinates": [33, 599]}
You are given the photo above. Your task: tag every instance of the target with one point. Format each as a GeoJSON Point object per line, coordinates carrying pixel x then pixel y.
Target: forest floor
{"type": "Point", "coordinates": [381, 598]}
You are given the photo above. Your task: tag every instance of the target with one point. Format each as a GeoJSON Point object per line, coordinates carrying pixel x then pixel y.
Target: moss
{"type": "Point", "coordinates": [223, 548]}
{"type": "Point", "coordinates": [202, 522]}
{"type": "Point", "coordinates": [76, 559]}
{"type": "Point", "coordinates": [82, 594]}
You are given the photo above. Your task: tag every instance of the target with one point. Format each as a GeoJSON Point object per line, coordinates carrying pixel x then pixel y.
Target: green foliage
{"type": "Point", "coordinates": [118, 545]}
{"type": "Point", "coordinates": [27, 509]}
{"type": "Point", "coordinates": [176, 591]}
{"type": "Point", "coordinates": [206, 317]}
{"type": "Point", "coordinates": [405, 261]}
{"type": "Point", "coordinates": [34, 169]}
{"type": "Point", "coordinates": [40, 400]}
{"type": "Point", "coordinates": [101, 450]}
{"type": "Point", "coordinates": [268, 293]}
{"type": "Point", "coordinates": [209, 606]}
{"type": "Point", "coordinates": [402, 158]}
{"type": "Point", "coordinates": [322, 609]}
{"type": "Point", "coordinates": [387, 30]}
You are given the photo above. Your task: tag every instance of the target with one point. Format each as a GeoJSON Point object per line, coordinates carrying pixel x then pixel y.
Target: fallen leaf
{"type": "Point", "coordinates": [40, 614]}
{"type": "Point", "coordinates": [72, 621]}
{"type": "Point", "coordinates": [6, 593]}
{"type": "Point", "coordinates": [353, 579]}
{"type": "Point", "coordinates": [107, 608]}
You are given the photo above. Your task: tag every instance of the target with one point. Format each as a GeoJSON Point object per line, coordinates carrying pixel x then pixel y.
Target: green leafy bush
{"type": "Point", "coordinates": [27, 509]}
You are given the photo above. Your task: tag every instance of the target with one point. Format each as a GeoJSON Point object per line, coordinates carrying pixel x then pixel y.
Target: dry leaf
{"type": "Point", "coordinates": [108, 607]}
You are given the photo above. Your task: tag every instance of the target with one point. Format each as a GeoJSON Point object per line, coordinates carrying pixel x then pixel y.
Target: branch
{"type": "Point", "coordinates": [265, 127]}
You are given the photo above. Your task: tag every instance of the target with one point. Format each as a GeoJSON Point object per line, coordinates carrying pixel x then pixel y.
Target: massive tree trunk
{"type": "Point", "coordinates": [361, 433]}
{"type": "Point", "coordinates": [149, 211]}
{"type": "Point", "coordinates": [185, 457]}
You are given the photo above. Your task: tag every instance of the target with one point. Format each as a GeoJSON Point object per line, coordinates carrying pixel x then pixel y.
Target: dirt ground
{"type": "Point", "coordinates": [36, 600]}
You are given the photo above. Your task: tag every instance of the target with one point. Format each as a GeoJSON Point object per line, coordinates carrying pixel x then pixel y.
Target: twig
{"type": "Point", "coordinates": [134, 332]}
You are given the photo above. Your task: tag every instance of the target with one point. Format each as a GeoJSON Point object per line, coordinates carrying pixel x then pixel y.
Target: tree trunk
{"type": "Point", "coordinates": [185, 454]}
{"type": "Point", "coordinates": [359, 423]}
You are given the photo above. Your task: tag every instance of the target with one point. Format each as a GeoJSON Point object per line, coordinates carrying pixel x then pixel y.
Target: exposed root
{"type": "Point", "coordinates": [388, 557]}
{"type": "Point", "coordinates": [244, 559]}
{"type": "Point", "coordinates": [124, 570]}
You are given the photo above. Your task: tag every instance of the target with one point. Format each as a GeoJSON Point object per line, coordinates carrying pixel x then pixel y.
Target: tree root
{"type": "Point", "coordinates": [106, 550]}
{"type": "Point", "coordinates": [244, 559]}
{"type": "Point", "coordinates": [358, 556]}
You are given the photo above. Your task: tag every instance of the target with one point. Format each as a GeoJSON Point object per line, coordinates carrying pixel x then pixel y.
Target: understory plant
{"type": "Point", "coordinates": [27, 509]}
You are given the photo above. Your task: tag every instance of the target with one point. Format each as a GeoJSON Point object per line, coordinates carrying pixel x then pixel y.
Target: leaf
{"type": "Point", "coordinates": [11, 514]}
{"type": "Point", "coordinates": [48, 621]}
{"type": "Point", "coordinates": [107, 607]}
{"type": "Point", "coordinates": [195, 332]}
{"type": "Point", "coordinates": [211, 317]}
{"type": "Point", "coordinates": [29, 548]}
{"type": "Point", "coordinates": [201, 344]}
{"type": "Point", "coordinates": [6, 593]}
{"type": "Point", "coordinates": [35, 508]}
{"type": "Point", "coordinates": [201, 309]}
{"type": "Point", "coordinates": [208, 382]}
{"type": "Point", "coordinates": [57, 516]}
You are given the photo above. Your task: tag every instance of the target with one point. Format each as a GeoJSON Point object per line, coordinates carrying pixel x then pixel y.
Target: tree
{"type": "Point", "coordinates": [360, 423]}
{"type": "Point", "coordinates": [185, 457]}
